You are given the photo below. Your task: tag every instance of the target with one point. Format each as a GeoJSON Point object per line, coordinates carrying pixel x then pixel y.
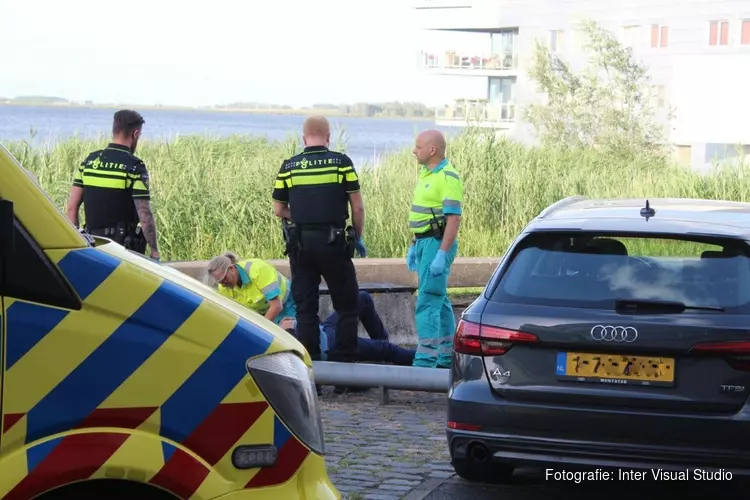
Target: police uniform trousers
{"type": "Point", "coordinates": [317, 257]}
{"type": "Point", "coordinates": [434, 318]}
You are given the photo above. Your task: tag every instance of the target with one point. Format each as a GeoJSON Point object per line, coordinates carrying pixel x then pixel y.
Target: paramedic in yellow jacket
{"type": "Point", "coordinates": [254, 283]}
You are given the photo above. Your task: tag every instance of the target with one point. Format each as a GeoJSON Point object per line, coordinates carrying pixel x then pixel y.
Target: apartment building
{"type": "Point", "coordinates": [697, 52]}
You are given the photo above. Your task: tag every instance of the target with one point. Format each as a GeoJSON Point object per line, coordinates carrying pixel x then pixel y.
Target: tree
{"type": "Point", "coordinates": [609, 106]}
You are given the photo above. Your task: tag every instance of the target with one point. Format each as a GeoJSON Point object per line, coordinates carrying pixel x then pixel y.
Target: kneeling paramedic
{"type": "Point", "coordinates": [113, 186]}
{"type": "Point", "coordinates": [311, 195]}
{"type": "Point", "coordinates": [254, 283]}
{"type": "Point", "coordinates": [434, 219]}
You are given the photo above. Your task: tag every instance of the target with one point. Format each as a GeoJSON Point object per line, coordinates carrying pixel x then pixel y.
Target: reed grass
{"type": "Point", "coordinates": [211, 194]}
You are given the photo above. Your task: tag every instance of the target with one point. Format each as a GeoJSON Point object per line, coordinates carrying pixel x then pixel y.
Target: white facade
{"type": "Point", "coordinates": [697, 52]}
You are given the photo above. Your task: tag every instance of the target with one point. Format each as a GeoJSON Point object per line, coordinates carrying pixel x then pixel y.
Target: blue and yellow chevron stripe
{"type": "Point", "coordinates": [147, 381]}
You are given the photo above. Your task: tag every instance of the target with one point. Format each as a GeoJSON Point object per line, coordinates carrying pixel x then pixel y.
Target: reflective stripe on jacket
{"type": "Point", "coordinates": [438, 192]}
{"type": "Point", "coordinates": [260, 283]}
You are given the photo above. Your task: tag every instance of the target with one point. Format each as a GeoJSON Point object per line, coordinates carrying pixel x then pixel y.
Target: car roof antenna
{"type": "Point", "coordinates": [647, 211]}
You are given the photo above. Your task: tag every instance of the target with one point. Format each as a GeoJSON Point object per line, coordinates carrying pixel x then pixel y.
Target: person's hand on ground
{"type": "Point", "coordinates": [287, 323]}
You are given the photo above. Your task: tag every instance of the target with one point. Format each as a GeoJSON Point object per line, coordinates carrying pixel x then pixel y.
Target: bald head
{"type": "Point", "coordinates": [430, 148]}
{"type": "Point", "coordinates": [316, 131]}
{"type": "Point", "coordinates": [436, 139]}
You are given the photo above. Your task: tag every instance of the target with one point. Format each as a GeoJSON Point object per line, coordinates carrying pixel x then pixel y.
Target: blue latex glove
{"type": "Point", "coordinates": [411, 258]}
{"type": "Point", "coordinates": [438, 264]}
{"type": "Point", "coordinates": [360, 247]}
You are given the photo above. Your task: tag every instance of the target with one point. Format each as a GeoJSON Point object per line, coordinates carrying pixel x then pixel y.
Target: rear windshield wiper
{"type": "Point", "coordinates": [638, 305]}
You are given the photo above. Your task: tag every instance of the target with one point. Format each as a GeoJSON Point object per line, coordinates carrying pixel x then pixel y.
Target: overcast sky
{"type": "Point", "coordinates": [172, 52]}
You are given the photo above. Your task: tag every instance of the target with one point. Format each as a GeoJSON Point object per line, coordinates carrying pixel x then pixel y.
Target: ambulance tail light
{"type": "Point", "coordinates": [288, 386]}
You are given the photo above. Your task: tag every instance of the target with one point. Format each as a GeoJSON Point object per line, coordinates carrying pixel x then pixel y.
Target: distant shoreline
{"type": "Point", "coordinates": [328, 112]}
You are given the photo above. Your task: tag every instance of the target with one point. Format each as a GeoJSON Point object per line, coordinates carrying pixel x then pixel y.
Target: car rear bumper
{"type": "Point", "coordinates": [559, 453]}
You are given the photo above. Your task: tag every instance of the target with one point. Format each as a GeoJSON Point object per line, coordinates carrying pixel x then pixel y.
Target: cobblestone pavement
{"type": "Point", "coordinates": [399, 451]}
{"type": "Point", "coordinates": [384, 452]}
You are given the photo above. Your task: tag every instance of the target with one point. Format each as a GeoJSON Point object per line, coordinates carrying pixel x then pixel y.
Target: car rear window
{"type": "Point", "coordinates": [591, 270]}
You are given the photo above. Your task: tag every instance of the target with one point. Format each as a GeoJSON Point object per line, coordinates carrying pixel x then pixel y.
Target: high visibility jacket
{"type": "Point", "coordinates": [260, 283]}
{"type": "Point", "coordinates": [439, 192]}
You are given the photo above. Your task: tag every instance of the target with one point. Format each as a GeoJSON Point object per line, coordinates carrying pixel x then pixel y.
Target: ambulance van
{"type": "Point", "coordinates": [123, 378]}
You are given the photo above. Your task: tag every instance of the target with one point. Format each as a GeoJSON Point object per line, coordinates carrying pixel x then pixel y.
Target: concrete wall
{"type": "Point", "coordinates": [395, 309]}
{"type": "Point", "coordinates": [466, 272]}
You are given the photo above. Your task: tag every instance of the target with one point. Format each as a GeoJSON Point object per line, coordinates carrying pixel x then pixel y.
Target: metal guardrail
{"type": "Point", "coordinates": [501, 112]}
{"type": "Point", "coordinates": [384, 377]}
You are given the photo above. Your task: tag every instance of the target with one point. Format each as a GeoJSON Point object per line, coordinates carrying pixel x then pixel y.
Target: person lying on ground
{"type": "Point", "coordinates": [377, 348]}
{"type": "Point", "coordinates": [254, 283]}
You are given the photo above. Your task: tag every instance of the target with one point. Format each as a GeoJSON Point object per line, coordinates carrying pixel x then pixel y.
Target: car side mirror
{"type": "Point", "coordinates": [7, 230]}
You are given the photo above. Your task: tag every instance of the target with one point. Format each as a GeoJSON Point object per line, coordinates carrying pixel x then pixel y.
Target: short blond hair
{"type": "Point", "coordinates": [316, 126]}
{"type": "Point", "coordinates": [221, 262]}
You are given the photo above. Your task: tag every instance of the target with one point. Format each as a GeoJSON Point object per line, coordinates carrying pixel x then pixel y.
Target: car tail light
{"type": "Point", "coordinates": [460, 426]}
{"type": "Point", "coordinates": [288, 386]}
{"type": "Point", "coordinates": [733, 351]}
{"type": "Point", "coordinates": [483, 340]}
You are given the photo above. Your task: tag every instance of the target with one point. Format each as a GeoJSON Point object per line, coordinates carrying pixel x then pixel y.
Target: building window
{"type": "Point", "coordinates": [502, 95]}
{"type": "Point", "coordinates": [718, 33]}
{"type": "Point", "coordinates": [504, 49]}
{"type": "Point", "coordinates": [745, 38]}
{"type": "Point", "coordinates": [556, 40]}
{"type": "Point", "coordinates": [659, 36]}
{"type": "Point", "coordinates": [630, 36]}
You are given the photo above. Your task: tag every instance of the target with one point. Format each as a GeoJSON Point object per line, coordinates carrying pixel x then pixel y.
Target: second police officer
{"type": "Point", "coordinates": [113, 186]}
{"type": "Point", "coordinates": [312, 194]}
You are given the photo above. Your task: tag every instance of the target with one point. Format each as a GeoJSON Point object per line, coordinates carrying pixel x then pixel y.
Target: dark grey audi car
{"type": "Point", "coordinates": [614, 334]}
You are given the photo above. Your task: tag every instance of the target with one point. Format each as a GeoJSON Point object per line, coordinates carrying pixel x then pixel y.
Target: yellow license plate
{"type": "Point", "coordinates": [616, 368]}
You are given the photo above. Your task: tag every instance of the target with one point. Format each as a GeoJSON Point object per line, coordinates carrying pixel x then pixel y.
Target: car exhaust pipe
{"type": "Point", "coordinates": [478, 452]}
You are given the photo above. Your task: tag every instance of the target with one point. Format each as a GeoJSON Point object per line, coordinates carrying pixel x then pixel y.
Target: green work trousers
{"type": "Point", "coordinates": [434, 318]}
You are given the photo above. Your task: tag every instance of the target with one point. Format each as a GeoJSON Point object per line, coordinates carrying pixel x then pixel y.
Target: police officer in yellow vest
{"type": "Point", "coordinates": [254, 283]}
{"type": "Point", "coordinates": [434, 219]}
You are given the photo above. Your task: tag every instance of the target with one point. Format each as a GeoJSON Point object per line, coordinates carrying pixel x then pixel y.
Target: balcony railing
{"type": "Point", "coordinates": [469, 61]}
{"type": "Point", "coordinates": [478, 111]}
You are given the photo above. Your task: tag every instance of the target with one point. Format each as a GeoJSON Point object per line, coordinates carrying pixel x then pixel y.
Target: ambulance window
{"type": "Point", "coordinates": [31, 276]}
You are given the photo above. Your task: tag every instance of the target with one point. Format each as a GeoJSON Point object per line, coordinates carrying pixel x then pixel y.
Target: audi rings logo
{"type": "Point", "coordinates": [608, 333]}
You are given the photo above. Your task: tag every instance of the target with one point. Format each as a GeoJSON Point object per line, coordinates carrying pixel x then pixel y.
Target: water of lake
{"type": "Point", "coordinates": [366, 139]}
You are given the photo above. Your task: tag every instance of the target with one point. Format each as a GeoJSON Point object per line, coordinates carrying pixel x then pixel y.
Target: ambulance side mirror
{"type": "Point", "coordinates": [7, 230]}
